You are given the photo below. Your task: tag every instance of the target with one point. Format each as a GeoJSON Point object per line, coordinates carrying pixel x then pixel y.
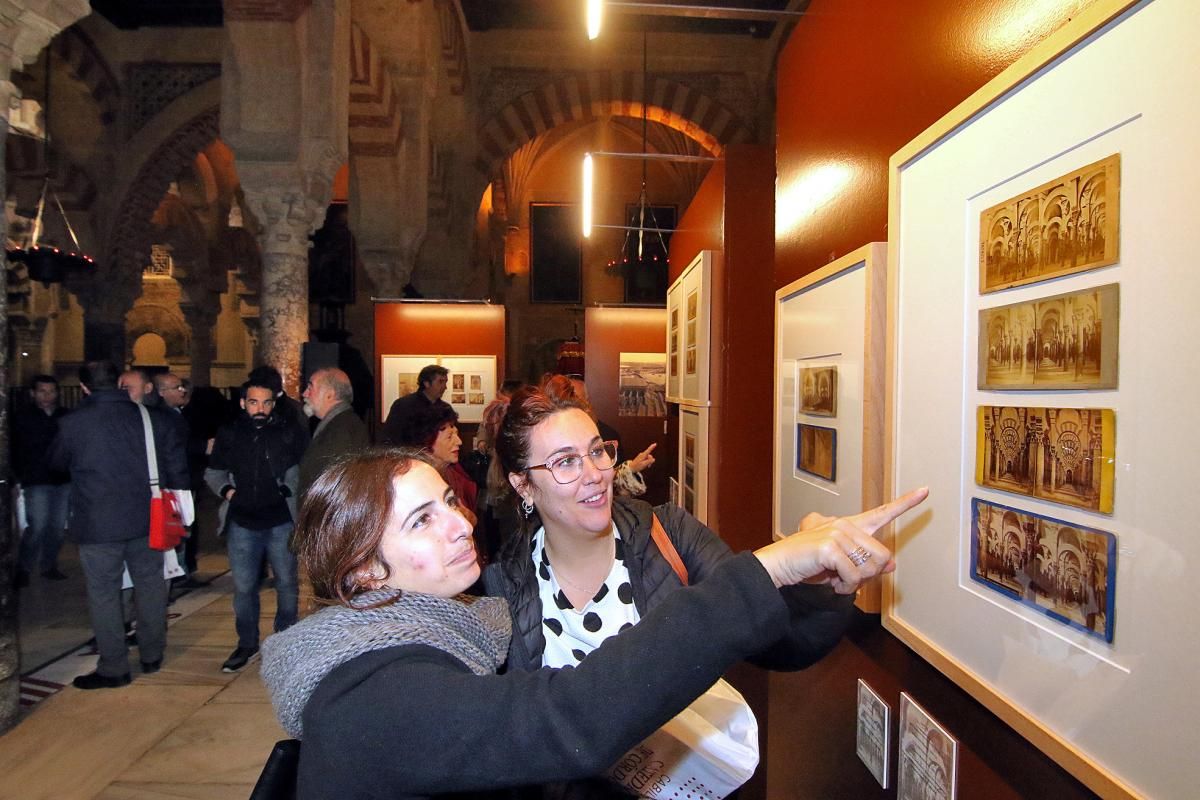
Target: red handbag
{"type": "Point", "coordinates": [166, 519]}
{"type": "Point", "coordinates": [166, 515]}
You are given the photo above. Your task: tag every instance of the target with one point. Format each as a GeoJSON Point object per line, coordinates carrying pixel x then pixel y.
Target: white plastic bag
{"type": "Point", "coordinates": [706, 752]}
{"type": "Point", "coordinates": [171, 569]}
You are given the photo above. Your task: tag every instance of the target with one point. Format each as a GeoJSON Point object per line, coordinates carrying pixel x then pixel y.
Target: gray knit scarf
{"type": "Point", "coordinates": [475, 630]}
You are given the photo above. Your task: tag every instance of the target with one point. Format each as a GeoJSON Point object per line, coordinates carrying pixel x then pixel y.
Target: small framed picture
{"type": "Point", "coordinates": [874, 732]}
{"type": "Point", "coordinates": [928, 764]}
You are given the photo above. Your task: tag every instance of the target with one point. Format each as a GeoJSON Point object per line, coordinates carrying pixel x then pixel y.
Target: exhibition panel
{"type": "Point", "coordinates": [1041, 292]}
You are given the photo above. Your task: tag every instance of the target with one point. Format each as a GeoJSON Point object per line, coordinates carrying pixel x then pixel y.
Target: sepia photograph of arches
{"type": "Point", "coordinates": [1067, 572]}
{"type": "Point", "coordinates": [816, 451]}
{"type": "Point", "coordinates": [818, 391]}
{"type": "Point", "coordinates": [1067, 341]}
{"type": "Point", "coordinates": [1064, 455]}
{"type": "Point", "coordinates": [1064, 226]}
{"type": "Point", "coordinates": [927, 767]}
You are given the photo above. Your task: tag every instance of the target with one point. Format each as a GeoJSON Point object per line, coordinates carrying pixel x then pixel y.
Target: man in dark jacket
{"type": "Point", "coordinates": [431, 383]}
{"type": "Point", "coordinates": [45, 491]}
{"type": "Point", "coordinates": [328, 397]}
{"type": "Point", "coordinates": [255, 469]}
{"type": "Point", "coordinates": [103, 447]}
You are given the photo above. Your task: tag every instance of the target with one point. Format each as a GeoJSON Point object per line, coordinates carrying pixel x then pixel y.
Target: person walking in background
{"type": "Point", "coordinates": [328, 397]}
{"type": "Point", "coordinates": [431, 385]}
{"type": "Point", "coordinates": [102, 445]}
{"type": "Point", "coordinates": [255, 469]}
{"type": "Point", "coordinates": [46, 492]}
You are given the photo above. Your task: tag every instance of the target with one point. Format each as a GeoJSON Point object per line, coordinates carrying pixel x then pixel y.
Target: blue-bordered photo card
{"type": "Point", "coordinates": [1066, 571]}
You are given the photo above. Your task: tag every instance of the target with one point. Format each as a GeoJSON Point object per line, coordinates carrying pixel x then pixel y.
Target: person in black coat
{"type": "Point", "coordinates": [45, 491]}
{"type": "Point", "coordinates": [102, 445]}
{"type": "Point", "coordinates": [392, 686]}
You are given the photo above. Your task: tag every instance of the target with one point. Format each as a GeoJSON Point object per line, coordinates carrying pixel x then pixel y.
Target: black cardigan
{"type": "Point", "coordinates": [412, 722]}
{"type": "Point", "coordinates": [818, 616]}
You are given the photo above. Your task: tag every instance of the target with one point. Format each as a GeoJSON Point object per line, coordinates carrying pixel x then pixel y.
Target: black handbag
{"type": "Point", "coordinates": [278, 778]}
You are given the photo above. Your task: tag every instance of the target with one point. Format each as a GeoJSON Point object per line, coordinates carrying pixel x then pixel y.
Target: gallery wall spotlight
{"type": "Point", "coordinates": [594, 12]}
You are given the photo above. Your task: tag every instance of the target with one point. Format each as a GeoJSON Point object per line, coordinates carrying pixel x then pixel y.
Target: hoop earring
{"type": "Point", "coordinates": [526, 508]}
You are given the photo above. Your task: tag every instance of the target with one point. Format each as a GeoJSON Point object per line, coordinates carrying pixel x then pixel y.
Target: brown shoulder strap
{"type": "Point", "coordinates": [667, 549]}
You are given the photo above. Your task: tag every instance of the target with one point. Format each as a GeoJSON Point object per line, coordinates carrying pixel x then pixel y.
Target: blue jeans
{"type": "Point", "coordinates": [246, 550]}
{"type": "Point", "coordinates": [46, 511]}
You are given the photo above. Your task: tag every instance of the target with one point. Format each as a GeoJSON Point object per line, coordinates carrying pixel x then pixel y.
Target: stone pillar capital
{"type": "Point", "coordinates": [286, 205]}
{"type": "Point", "coordinates": [389, 268]}
{"type": "Point", "coordinates": [27, 26]}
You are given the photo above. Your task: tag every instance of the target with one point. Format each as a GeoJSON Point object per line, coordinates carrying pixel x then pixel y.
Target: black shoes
{"type": "Point", "coordinates": [150, 667]}
{"type": "Point", "coordinates": [54, 574]}
{"type": "Point", "coordinates": [239, 658]}
{"type": "Point", "coordinates": [94, 680]}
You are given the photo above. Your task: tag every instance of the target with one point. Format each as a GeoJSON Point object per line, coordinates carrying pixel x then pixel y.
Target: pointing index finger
{"type": "Point", "coordinates": [871, 521]}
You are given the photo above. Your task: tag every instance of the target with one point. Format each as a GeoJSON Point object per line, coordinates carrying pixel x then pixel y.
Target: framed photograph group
{"type": "Point", "coordinates": [470, 384]}
{"type": "Point", "coordinates": [1039, 245]}
{"type": "Point", "coordinates": [689, 309]}
{"type": "Point", "coordinates": [829, 367]}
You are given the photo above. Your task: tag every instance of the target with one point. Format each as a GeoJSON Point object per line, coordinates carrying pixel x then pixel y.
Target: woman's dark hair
{"type": "Point", "coordinates": [343, 519]}
{"type": "Point", "coordinates": [528, 408]}
{"type": "Point", "coordinates": [425, 425]}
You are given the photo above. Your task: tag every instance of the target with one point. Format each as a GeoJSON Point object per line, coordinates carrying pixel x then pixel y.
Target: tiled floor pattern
{"type": "Point", "coordinates": [188, 731]}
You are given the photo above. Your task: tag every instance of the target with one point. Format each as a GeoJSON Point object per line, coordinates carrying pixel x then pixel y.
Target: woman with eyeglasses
{"type": "Point", "coordinates": [584, 567]}
{"type": "Point", "coordinates": [392, 685]}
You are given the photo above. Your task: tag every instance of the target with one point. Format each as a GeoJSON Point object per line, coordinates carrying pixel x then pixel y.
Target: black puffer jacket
{"type": "Point", "coordinates": [818, 616]}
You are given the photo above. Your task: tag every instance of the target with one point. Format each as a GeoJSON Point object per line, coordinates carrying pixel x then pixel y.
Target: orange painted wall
{"type": "Point", "coordinates": [702, 225]}
{"type": "Point", "coordinates": [438, 329]}
{"type": "Point", "coordinates": [732, 213]}
{"type": "Point", "coordinates": [857, 79]}
{"type": "Point", "coordinates": [608, 332]}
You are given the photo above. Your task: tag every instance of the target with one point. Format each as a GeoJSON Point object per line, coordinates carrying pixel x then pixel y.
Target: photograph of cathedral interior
{"type": "Point", "coordinates": [367, 301]}
{"type": "Point", "coordinates": [1063, 342]}
{"type": "Point", "coordinates": [1059, 454]}
{"type": "Point", "coordinates": [1064, 570]}
{"type": "Point", "coordinates": [1068, 225]}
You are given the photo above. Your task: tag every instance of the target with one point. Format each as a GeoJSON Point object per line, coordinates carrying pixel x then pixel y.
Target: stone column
{"type": "Point", "coordinates": [285, 89]}
{"type": "Point", "coordinates": [287, 217]}
{"type": "Point", "coordinates": [26, 26]}
{"type": "Point", "coordinates": [201, 321]}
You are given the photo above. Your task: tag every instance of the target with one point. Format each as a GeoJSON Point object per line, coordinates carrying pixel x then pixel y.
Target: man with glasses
{"type": "Point", "coordinates": [175, 396]}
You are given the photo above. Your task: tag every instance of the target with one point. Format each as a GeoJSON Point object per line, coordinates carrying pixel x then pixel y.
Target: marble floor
{"type": "Point", "coordinates": [188, 731]}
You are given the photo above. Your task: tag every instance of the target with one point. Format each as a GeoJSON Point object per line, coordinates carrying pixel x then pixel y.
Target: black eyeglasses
{"type": "Point", "coordinates": [568, 468]}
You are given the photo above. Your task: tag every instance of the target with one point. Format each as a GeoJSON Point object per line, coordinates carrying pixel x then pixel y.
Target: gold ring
{"type": "Point", "coordinates": [860, 556]}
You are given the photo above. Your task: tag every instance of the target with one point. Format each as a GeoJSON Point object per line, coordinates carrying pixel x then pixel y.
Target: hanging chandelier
{"type": "Point", "coordinates": [47, 263]}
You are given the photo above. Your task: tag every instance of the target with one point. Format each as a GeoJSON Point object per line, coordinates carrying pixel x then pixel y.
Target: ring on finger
{"type": "Point", "coordinates": [859, 556]}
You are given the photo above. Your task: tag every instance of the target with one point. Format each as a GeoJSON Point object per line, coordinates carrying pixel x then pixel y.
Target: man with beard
{"type": "Point", "coordinates": [254, 468]}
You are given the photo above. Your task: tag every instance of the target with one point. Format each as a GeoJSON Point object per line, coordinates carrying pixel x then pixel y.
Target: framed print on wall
{"type": "Point", "coordinates": [470, 385]}
{"type": "Point", "coordinates": [1035, 590]}
{"type": "Point", "coordinates": [828, 394]}
{"type": "Point", "coordinates": [689, 303]}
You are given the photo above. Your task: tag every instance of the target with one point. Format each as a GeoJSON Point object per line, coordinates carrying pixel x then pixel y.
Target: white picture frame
{"type": "Point", "coordinates": [689, 298]}
{"type": "Point", "coordinates": [833, 317]}
{"type": "Point", "coordinates": [693, 461]}
{"type": "Point", "coordinates": [927, 756]}
{"type": "Point", "coordinates": [873, 733]}
{"type": "Point", "coordinates": [1070, 101]}
{"type": "Point", "coordinates": [478, 375]}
